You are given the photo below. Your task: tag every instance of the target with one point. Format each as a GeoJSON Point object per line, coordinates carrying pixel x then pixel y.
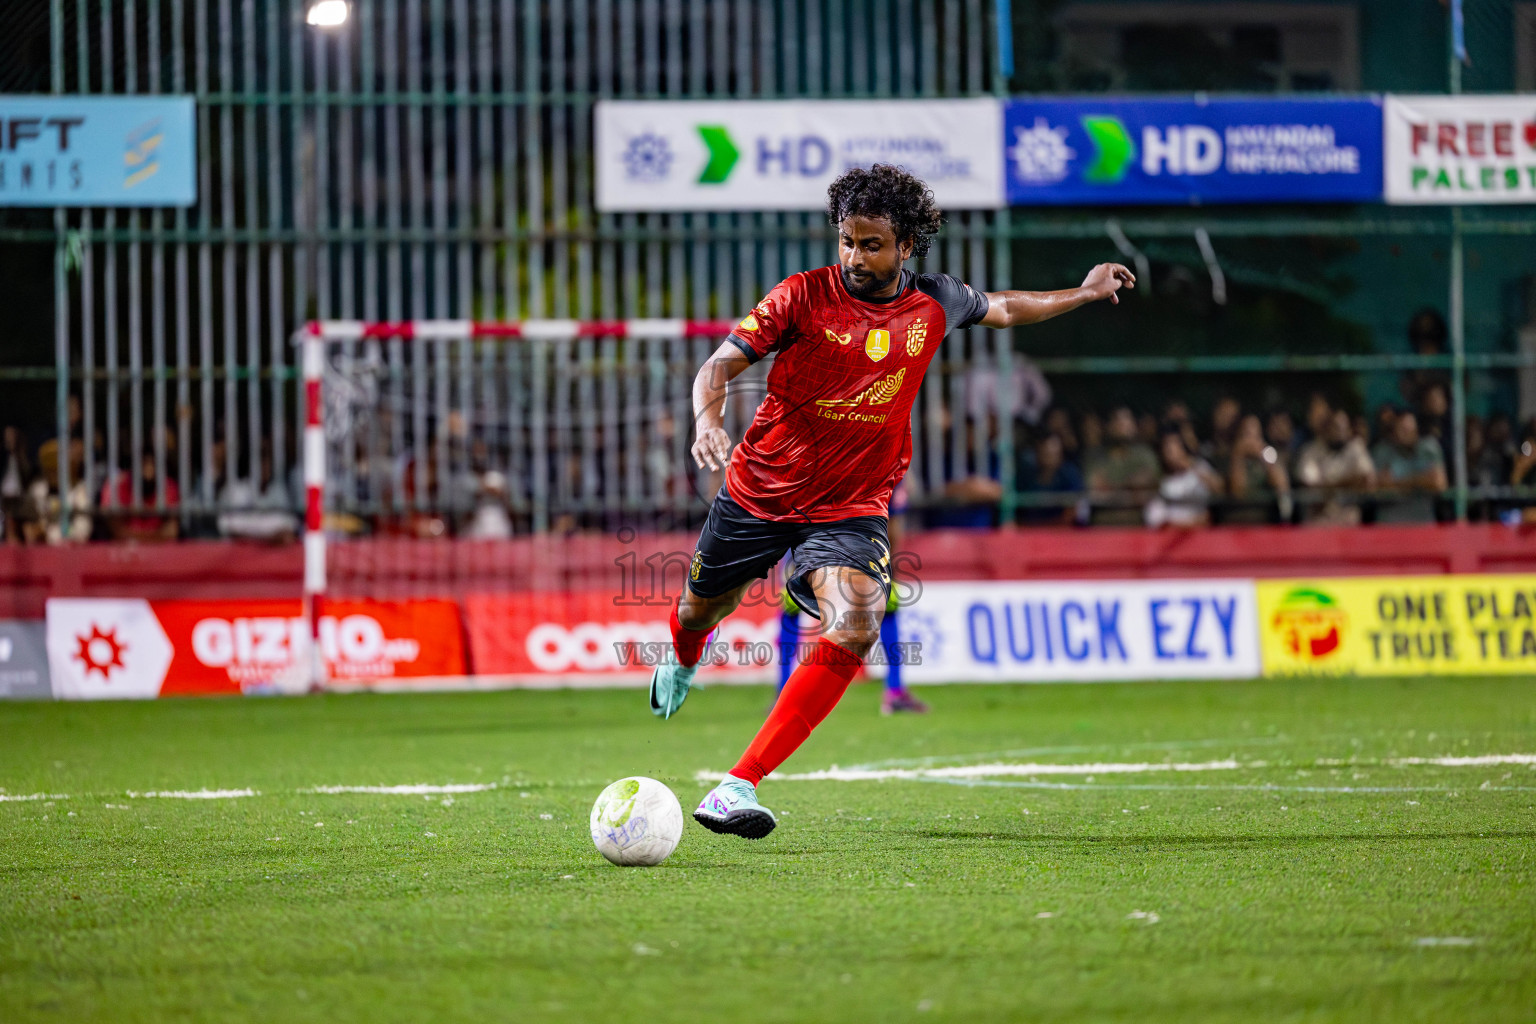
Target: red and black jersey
{"type": "Point", "coordinates": [833, 436]}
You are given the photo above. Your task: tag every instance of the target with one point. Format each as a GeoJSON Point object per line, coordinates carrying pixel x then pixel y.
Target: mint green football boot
{"type": "Point", "coordinates": [670, 684]}
{"type": "Point", "coordinates": [731, 809]}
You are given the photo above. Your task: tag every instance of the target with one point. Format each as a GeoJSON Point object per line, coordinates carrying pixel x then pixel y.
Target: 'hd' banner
{"type": "Point", "coordinates": [1082, 631]}
{"type": "Point", "coordinates": [1461, 149]}
{"type": "Point", "coordinates": [781, 155]}
{"type": "Point", "coordinates": [1176, 152]}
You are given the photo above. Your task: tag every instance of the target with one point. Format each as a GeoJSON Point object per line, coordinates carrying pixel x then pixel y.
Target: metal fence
{"type": "Point", "coordinates": [432, 159]}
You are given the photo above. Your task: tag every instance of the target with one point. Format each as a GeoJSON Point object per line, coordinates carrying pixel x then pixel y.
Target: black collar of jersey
{"type": "Point", "coordinates": [904, 281]}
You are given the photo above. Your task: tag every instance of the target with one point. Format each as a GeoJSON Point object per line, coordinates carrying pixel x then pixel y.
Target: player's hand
{"type": "Point", "coordinates": [1104, 280]}
{"type": "Point", "coordinates": [712, 449]}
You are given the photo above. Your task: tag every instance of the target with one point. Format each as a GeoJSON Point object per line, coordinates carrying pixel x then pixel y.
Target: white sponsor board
{"type": "Point", "coordinates": [1460, 149]}
{"type": "Point", "coordinates": [772, 155]}
{"type": "Point", "coordinates": [106, 649]}
{"type": "Point", "coordinates": [1082, 631]}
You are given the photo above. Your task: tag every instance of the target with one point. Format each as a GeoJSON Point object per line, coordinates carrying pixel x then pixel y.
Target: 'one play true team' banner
{"type": "Point", "coordinates": [1399, 625]}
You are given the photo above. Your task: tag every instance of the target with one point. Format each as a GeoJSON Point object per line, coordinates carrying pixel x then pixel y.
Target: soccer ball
{"type": "Point", "coordinates": [636, 822]}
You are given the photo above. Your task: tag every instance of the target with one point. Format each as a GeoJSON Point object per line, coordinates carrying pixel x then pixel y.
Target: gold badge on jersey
{"type": "Point", "coordinates": [916, 334]}
{"type": "Point", "coordinates": [749, 324]}
{"type": "Point", "coordinates": [841, 339]}
{"type": "Point", "coordinates": [877, 344]}
{"type": "Point", "coordinates": [698, 563]}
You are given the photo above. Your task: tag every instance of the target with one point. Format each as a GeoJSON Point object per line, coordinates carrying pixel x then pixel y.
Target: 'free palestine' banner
{"type": "Point", "coordinates": [1457, 150]}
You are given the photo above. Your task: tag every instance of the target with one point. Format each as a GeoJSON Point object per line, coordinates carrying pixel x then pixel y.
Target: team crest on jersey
{"type": "Point", "coordinates": [917, 332]}
{"type": "Point", "coordinates": [877, 344]}
{"type": "Point", "coordinates": [749, 324]}
{"type": "Point", "coordinates": [841, 339]}
{"type": "Point", "coordinates": [698, 564]}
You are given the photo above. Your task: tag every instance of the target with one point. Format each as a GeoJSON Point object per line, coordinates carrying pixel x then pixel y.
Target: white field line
{"type": "Point", "coordinates": [4, 797]}
{"type": "Point", "coordinates": [421, 789]}
{"type": "Point", "coordinates": [1476, 761]}
{"type": "Point", "coordinates": [998, 770]}
{"type": "Point", "coordinates": [196, 794]}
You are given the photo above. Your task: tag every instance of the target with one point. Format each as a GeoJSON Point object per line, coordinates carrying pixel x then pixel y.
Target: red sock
{"type": "Point", "coordinates": [689, 643]}
{"type": "Point", "coordinates": [810, 695]}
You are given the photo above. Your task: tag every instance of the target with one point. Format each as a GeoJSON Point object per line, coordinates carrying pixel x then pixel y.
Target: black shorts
{"type": "Point", "coordinates": [736, 547]}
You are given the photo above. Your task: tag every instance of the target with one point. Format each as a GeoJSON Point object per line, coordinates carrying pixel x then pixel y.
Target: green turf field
{"type": "Point", "coordinates": [1321, 878]}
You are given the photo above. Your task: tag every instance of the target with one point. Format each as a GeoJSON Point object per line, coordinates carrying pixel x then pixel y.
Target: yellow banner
{"type": "Point", "coordinates": [1399, 625]}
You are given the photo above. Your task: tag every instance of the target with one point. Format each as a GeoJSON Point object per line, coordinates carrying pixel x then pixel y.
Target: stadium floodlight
{"type": "Point", "coordinates": [328, 13]}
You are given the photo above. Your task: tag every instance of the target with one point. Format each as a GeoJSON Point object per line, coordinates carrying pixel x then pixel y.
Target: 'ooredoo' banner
{"type": "Point", "coordinates": [585, 637]}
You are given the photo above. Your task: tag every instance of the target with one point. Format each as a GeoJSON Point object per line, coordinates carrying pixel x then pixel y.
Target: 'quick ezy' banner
{"type": "Point", "coordinates": [1188, 152]}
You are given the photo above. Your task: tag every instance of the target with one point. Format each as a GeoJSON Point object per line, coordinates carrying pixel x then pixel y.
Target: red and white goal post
{"type": "Point", "coordinates": [319, 336]}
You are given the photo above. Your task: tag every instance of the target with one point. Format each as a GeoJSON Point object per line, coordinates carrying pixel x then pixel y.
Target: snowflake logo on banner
{"type": "Point", "coordinates": [647, 158]}
{"type": "Point", "coordinates": [1040, 154]}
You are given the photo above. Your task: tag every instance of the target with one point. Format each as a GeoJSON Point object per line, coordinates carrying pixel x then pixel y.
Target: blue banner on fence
{"type": "Point", "coordinates": [97, 151]}
{"type": "Point", "coordinates": [1187, 152]}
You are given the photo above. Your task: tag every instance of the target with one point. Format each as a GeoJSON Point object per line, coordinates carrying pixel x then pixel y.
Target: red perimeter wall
{"type": "Point", "coordinates": [402, 568]}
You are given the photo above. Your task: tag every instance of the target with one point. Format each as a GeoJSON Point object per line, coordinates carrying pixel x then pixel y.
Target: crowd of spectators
{"type": "Point", "coordinates": [1121, 467]}
{"type": "Point", "coordinates": [1245, 466]}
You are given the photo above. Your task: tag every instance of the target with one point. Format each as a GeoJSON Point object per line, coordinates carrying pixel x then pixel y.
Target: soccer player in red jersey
{"type": "Point", "coordinates": [832, 438]}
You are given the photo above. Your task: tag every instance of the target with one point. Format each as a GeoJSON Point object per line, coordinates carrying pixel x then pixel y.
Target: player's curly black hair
{"type": "Point", "coordinates": [889, 192]}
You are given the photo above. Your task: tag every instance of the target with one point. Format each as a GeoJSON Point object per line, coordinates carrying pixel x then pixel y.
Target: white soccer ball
{"type": "Point", "coordinates": [636, 822]}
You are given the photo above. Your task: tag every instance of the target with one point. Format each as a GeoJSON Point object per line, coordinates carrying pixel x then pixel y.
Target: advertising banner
{"type": "Point", "coordinates": [781, 155]}
{"type": "Point", "coordinates": [1399, 625]}
{"type": "Point", "coordinates": [1181, 152]}
{"type": "Point", "coordinates": [97, 151]}
{"type": "Point", "coordinates": [105, 648]}
{"type": "Point", "coordinates": [1461, 149]}
{"type": "Point", "coordinates": [1081, 631]}
{"type": "Point", "coordinates": [23, 661]}
{"type": "Point", "coordinates": [588, 638]}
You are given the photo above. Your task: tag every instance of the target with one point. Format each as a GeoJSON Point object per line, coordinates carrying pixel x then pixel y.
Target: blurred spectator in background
{"type": "Point", "coordinates": [1426, 337]}
{"type": "Point", "coordinates": [1148, 431]}
{"type": "Point", "coordinates": [1386, 416]}
{"type": "Point", "coordinates": [1122, 474]}
{"type": "Point", "coordinates": [1044, 469]}
{"type": "Point", "coordinates": [1434, 413]}
{"type": "Point", "coordinates": [1411, 466]}
{"type": "Point", "coordinates": [1176, 417]}
{"type": "Point", "coordinates": [973, 491]}
{"type": "Point", "coordinates": [490, 520]}
{"type": "Point", "coordinates": [259, 509]}
{"type": "Point", "coordinates": [1280, 430]}
{"type": "Point", "coordinates": [117, 493]}
{"type": "Point", "coordinates": [16, 472]}
{"type": "Point", "coordinates": [1184, 494]}
{"type": "Point", "coordinates": [1337, 461]}
{"type": "Point", "coordinates": [1224, 416]}
{"type": "Point", "coordinates": [1257, 479]}
{"type": "Point", "coordinates": [1093, 438]}
{"type": "Point", "coordinates": [1058, 423]}
{"type": "Point", "coordinates": [1315, 423]}
{"type": "Point", "coordinates": [46, 491]}
{"type": "Point", "coordinates": [1522, 472]}
{"type": "Point", "coordinates": [1489, 461]}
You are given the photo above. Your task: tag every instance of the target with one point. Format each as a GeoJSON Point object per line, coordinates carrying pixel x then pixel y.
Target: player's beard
{"type": "Point", "coordinates": [870, 285]}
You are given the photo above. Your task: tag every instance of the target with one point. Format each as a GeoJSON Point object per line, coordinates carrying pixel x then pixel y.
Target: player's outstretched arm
{"type": "Point", "coordinates": [1013, 309]}
{"type": "Point", "coordinates": [712, 445]}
